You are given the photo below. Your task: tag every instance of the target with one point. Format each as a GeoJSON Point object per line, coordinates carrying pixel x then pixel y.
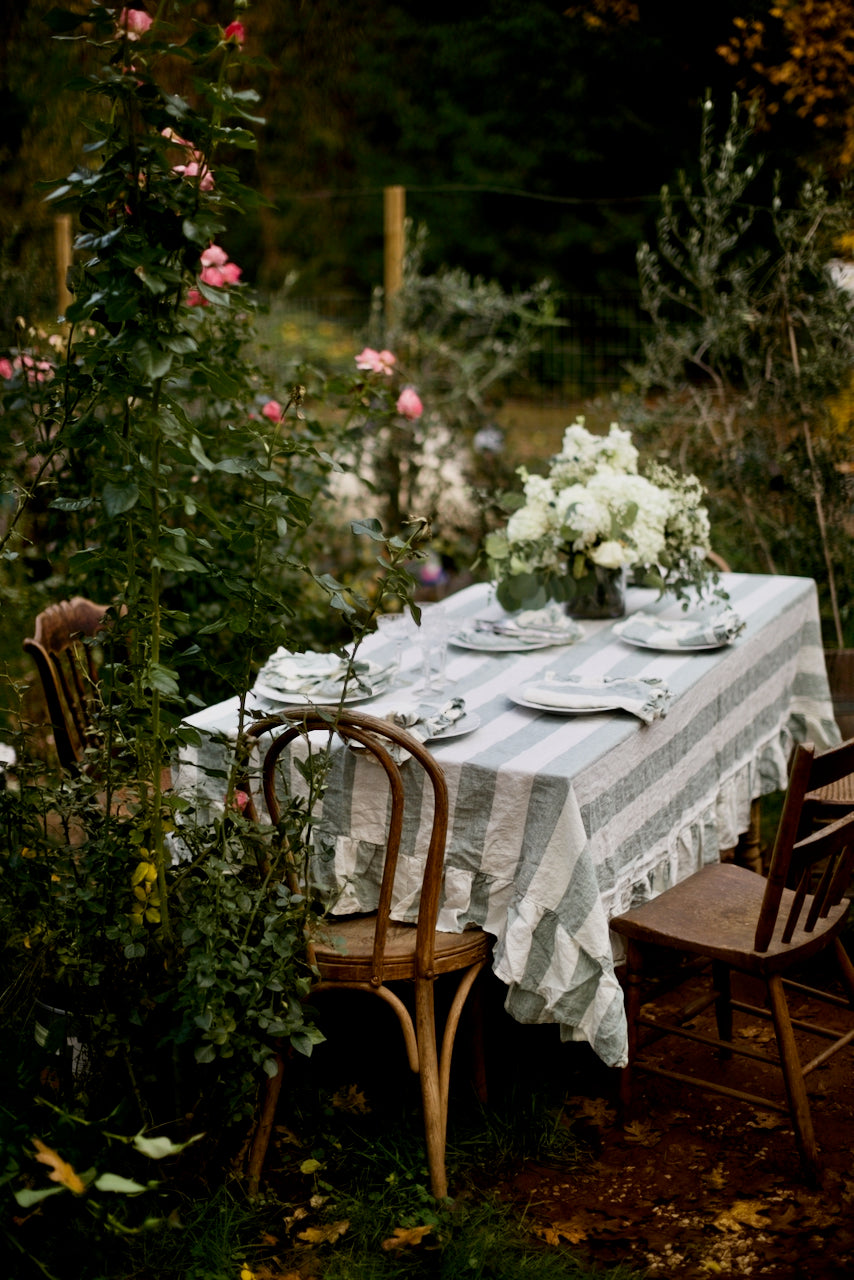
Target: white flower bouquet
{"type": "Point", "coordinates": [594, 516]}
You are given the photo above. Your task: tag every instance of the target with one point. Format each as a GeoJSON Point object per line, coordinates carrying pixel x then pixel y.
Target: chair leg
{"type": "Point", "coordinates": [261, 1137]}
{"type": "Point", "coordinates": [467, 984]}
{"type": "Point", "coordinates": [796, 1092]}
{"type": "Point", "coordinates": [723, 1004]}
{"type": "Point", "coordinates": [632, 981]}
{"type": "Point", "coordinates": [431, 1093]}
{"type": "Point", "coordinates": [846, 968]}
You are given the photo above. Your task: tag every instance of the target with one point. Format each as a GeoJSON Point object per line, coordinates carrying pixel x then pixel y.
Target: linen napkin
{"type": "Point", "coordinates": [646, 697]}
{"type": "Point", "coordinates": [423, 722]}
{"type": "Point", "coordinates": [319, 675]}
{"type": "Point", "coordinates": [683, 633]}
{"type": "Point", "coordinates": [550, 625]}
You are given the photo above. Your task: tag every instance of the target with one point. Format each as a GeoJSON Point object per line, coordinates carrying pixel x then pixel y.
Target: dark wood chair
{"type": "Point", "coordinates": [69, 676]}
{"type": "Point", "coordinates": [366, 953]}
{"type": "Point", "coordinates": [765, 929]}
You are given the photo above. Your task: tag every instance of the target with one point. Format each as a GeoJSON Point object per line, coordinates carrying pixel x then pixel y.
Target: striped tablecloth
{"type": "Point", "coordinates": [558, 822]}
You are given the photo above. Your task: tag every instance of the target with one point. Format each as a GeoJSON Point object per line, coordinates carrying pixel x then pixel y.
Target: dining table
{"type": "Point", "coordinates": [560, 819]}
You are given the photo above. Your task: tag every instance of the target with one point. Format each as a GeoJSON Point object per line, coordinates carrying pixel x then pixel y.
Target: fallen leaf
{"type": "Point", "coordinates": [570, 1230]}
{"type": "Point", "coordinates": [768, 1120]}
{"type": "Point", "coordinates": [406, 1236]}
{"type": "Point", "coordinates": [351, 1099]}
{"type": "Point", "coordinates": [310, 1166]}
{"type": "Point", "coordinates": [325, 1235]}
{"type": "Point", "coordinates": [596, 1110]}
{"type": "Point", "coordinates": [760, 1034]}
{"type": "Point", "coordinates": [717, 1178]}
{"type": "Point", "coordinates": [643, 1134]}
{"type": "Point", "coordinates": [61, 1170]}
{"type": "Point", "coordinates": [742, 1213]}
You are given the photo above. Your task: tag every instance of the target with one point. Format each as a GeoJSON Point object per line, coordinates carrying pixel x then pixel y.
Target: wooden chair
{"type": "Point", "coordinates": [760, 928]}
{"type": "Point", "coordinates": [68, 674]}
{"type": "Point", "coordinates": [365, 953]}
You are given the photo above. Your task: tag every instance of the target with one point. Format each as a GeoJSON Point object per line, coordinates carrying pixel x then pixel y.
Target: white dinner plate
{"type": "Point", "coordinates": [561, 711]}
{"type": "Point", "coordinates": [672, 647]}
{"type": "Point", "coordinates": [488, 642]}
{"type": "Point", "coordinates": [466, 724]}
{"type": "Point", "coordinates": [318, 699]}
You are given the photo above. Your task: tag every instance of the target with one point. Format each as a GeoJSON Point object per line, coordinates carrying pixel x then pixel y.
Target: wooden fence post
{"type": "Point", "coordinates": [62, 251]}
{"type": "Point", "coordinates": [394, 212]}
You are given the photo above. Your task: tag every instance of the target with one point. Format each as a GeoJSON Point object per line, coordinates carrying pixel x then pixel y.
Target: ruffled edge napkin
{"type": "Point", "coordinates": [426, 722]}
{"type": "Point", "coordinates": [646, 697]}
{"type": "Point", "coordinates": [685, 633]}
{"type": "Point", "coordinates": [423, 722]}
{"type": "Point", "coordinates": [551, 625]}
{"type": "Point", "coordinates": [318, 674]}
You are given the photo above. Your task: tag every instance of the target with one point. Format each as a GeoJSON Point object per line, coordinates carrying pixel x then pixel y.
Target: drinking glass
{"type": "Point", "coordinates": [399, 628]}
{"type": "Point", "coordinates": [434, 646]}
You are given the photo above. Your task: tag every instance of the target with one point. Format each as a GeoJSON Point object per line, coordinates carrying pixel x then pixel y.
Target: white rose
{"type": "Point", "coordinates": [610, 555]}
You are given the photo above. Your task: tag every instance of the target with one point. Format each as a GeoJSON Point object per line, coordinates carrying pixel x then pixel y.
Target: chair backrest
{"type": "Point", "coordinates": [68, 673]}
{"type": "Point", "coordinates": [375, 737]}
{"type": "Point", "coordinates": [817, 865]}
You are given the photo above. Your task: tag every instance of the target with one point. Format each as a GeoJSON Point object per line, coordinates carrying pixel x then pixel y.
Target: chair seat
{"type": "Point", "coordinates": [722, 902]}
{"type": "Point", "coordinates": [344, 953]}
{"type": "Point", "coordinates": [840, 792]}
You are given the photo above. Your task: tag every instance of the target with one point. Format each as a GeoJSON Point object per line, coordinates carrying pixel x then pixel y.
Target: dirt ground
{"type": "Point", "coordinates": [697, 1184]}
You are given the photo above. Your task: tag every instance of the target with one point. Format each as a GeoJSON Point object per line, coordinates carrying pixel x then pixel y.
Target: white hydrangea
{"type": "Point", "coordinates": [583, 454]}
{"type": "Point", "coordinates": [532, 521]}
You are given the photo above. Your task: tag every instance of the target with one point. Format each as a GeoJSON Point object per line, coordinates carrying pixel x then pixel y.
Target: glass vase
{"type": "Point", "coordinates": [600, 593]}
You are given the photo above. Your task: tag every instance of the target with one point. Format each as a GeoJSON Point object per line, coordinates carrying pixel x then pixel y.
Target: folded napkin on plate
{"type": "Point", "coordinates": [318, 674]}
{"type": "Point", "coordinates": [550, 624]}
{"type": "Point", "coordinates": [645, 697]}
{"type": "Point", "coordinates": [423, 723]}
{"type": "Point", "coordinates": [681, 634]}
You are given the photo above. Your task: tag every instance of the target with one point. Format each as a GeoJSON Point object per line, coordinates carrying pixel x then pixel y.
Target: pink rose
{"type": "Point", "coordinates": [230, 273]}
{"type": "Point", "coordinates": [235, 31]}
{"type": "Point", "coordinates": [195, 299]}
{"type": "Point", "coordinates": [212, 276]}
{"type": "Point", "coordinates": [6, 370]}
{"type": "Point", "coordinates": [214, 256]}
{"type": "Point", "coordinates": [409, 404]}
{"type": "Point", "coordinates": [272, 410]}
{"type": "Point", "coordinates": [376, 361]}
{"type": "Point", "coordinates": [134, 23]}
{"type": "Point", "coordinates": [241, 800]}
{"type": "Point", "coordinates": [195, 170]}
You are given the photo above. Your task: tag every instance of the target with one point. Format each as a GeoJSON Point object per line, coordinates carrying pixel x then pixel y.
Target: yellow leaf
{"type": "Point", "coordinates": [569, 1229]}
{"type": "Point", "coordinates": [246, 1274]}
{"type": "Point", "coordinates": [310, 1166]}
{"type": "Point", "coordinates": [61, 1171]}
{"type": "Point", "coordinates": [140, 873]}
{"type": "Point", "coordinates": [743, 1213]}
{"type": "Point", "coordinates": [325, 1235]}
{"type": "Point", "coordinates": [152, 915]}
{"type": "Point", "coordinates": [406, 1236]}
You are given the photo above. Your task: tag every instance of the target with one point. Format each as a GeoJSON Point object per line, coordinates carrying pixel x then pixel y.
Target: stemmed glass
{"type": "Point", "coordinates": [399, 628]}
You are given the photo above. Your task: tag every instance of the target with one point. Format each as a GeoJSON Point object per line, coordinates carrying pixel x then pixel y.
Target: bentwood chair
{"type": "Point", "coordinates": [764, 929]}
{"type": "Point", "coordinates": [69, 675]}
{"type": "Point", "coordinates": [366, 953]}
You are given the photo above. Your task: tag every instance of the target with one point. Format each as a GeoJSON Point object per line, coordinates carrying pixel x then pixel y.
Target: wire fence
{"type": "Point", "coordinates": [587, 351]}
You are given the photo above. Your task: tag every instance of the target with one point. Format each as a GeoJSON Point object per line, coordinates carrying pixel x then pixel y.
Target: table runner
{"type": "Point", "coordinates": [559, 822]}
